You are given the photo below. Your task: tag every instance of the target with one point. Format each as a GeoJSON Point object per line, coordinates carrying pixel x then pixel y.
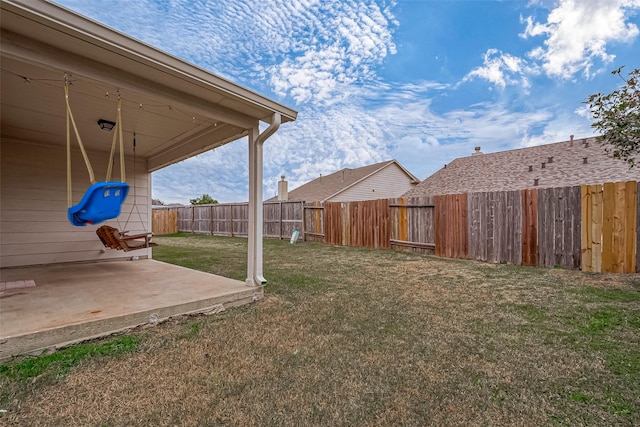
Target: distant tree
{"type": "Point", "coordinates": [157, 202]}
{"type": "Point", "coordinates": [204, 200]}
{"type": "Point", "coordinates": [617, 117]}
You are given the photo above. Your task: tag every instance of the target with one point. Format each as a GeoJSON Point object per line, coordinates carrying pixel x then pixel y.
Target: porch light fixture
{"type": "Point", "coordinates": [106, 125]}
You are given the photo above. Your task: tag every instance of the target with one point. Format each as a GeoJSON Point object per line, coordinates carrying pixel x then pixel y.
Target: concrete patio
{"type": "Point", "coordinates": [75, 302]}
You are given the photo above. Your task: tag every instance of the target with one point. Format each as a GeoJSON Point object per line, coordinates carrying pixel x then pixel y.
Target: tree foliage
{"type": "Point", "coordinates": [204, 200]}
{"type": "Point", "coordinates": [617, 117]}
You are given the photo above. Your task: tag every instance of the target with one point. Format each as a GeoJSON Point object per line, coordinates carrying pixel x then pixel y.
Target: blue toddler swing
{"type": "Point", "coordinates": [103, 200]}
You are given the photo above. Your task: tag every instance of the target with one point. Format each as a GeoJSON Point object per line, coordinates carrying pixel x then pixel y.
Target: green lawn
{"type": "Point", "coordinates": [352, 337]}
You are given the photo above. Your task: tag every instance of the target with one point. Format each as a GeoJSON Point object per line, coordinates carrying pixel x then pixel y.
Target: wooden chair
{"type": "Point", "coordinates": [115, 239]}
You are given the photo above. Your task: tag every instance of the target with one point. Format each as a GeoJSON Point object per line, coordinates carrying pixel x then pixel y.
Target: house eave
{"type": "Point", "coordinates": [44, 21]}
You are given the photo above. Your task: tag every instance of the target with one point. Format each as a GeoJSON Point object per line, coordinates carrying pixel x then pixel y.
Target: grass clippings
{"type": "Point", "coordinates": [353, 337]}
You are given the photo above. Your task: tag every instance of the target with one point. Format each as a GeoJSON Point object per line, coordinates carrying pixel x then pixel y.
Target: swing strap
{"type": "Point", "coordinates": [84, 153]}
{"type": "Point", "coordinates": [117, 134]}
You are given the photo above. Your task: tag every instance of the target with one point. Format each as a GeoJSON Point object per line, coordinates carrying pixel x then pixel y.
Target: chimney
{"type": "Point", "coordinates": [571, 141]}
{"type": "Point", "coordinates": [476, 152]}
{"type": "Point", "coordinates": [530, 168]}
{"type": "Point", "coordinates": [586, 143]}
{"type": "Point", "coordinates": [543, 165]}
{"type": "Point", "coordinates": [550, 159]}
{"type": "Point", "coordinates": [584, 160]}
{"type": "Point", "coordinates": [535, 182]}
{"type": "Point", "coordinates": [283, 190]}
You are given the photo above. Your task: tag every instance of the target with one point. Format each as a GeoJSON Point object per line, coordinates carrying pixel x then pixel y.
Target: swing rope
{"type": "Point", "coordinates": [118, 134]}
{"type": "Point", "coordinates": [84, 153]}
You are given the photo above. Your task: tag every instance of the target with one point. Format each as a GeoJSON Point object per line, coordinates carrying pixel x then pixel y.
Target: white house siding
{"type": "Point", "coordinates": [387, 183]}
{"type": "Point", "coordinates": [33, 206]}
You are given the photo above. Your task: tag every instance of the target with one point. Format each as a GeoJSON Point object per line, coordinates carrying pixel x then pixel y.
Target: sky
{"type": "Point", "coordinates": [419, 81]}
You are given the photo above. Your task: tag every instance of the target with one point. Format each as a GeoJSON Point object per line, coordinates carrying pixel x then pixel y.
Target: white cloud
{"type": "Point", "coordinates": [500, 69]}
{"type": "Point", "coordinates": [559, 128]}
{"type": "Point", "coordinates": [577, 33]}
{"type": "Point", "coordinates": [341, 48]}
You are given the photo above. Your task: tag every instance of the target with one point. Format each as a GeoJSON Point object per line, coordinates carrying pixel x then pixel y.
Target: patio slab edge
{"type": "Point", "coordinates": [52, 339]}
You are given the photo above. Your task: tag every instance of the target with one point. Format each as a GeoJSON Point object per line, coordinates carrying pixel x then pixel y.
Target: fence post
{"type": "Point", "coordinates": [304, 224]}
{"type": "Point", "coordinates": [280, 220]}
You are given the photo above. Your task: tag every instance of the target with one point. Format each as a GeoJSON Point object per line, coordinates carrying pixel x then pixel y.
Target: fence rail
{"type": "Point", "coordinates": [592, 227]}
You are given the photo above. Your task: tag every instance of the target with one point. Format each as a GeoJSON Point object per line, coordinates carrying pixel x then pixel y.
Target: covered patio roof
{"type": "Point", "coordinates": [176, 109]}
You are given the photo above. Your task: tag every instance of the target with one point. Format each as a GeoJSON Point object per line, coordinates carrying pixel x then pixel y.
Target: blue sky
{"type": "Point", "coordinates": [423, 82]}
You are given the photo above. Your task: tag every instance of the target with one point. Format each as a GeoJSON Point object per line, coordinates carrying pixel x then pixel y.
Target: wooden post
{"type": "Point", "coordinates": [630, 193]}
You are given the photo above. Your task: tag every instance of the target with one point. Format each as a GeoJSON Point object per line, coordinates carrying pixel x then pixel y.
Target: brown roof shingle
{"type": "Point", "coordinates": [568, 163]}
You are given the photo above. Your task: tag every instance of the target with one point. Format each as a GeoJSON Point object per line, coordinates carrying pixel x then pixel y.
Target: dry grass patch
{"type": "Point", "coordinates": [372, 338]}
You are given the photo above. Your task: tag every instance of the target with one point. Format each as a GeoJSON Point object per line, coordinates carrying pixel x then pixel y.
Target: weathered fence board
{"type": "Point", "coordinates": [332, 217]}
{"type": "Point", "coordinates": [559, 227]}
{"type": "Point", "coordinates": [451, 236]}
{"type": "Point", "coordinates": [313, 222]}
{"type": "Point", "coordinates": [201, 219]}
{"type": "Point", "coordinates": [495, 230]}
{"type": "Point", "coordinates": [412, 224]}
{"type": "Point", "coordinates": [530, 227]}
{"type": "Point", "coordinates": [231, 219]}
{"type": "Point", "coordinates": [185, 219]}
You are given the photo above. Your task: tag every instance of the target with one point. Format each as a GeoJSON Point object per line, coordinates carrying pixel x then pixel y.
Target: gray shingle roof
{"type": "Point", "coordinates": [322, 188]}
{"type": "Point", "coordinates": [568, 163]}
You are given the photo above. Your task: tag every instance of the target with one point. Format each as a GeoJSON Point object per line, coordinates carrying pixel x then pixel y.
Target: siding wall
{"type": "Point", "coordinates": [33, 206]}
{"type": "Point", "coordinates": [388, 183]}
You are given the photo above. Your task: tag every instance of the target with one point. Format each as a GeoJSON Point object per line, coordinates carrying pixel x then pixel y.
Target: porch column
{"type": "Point", "coordinates": [254, 256]}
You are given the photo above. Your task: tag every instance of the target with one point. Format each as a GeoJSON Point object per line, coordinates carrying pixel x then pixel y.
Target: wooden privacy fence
{"type": "Point", "coordinates": [592, 227]}
{"type": "Point", "coordinates": [232, 219]}
{"type": "Point", "coordinates": [363, 224]}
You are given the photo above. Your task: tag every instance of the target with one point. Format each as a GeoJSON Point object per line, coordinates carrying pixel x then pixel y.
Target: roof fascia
{"type": "Point", "coordinates": [358, 181]}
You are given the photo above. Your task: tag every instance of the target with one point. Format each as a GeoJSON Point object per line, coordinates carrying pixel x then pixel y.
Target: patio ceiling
{"type": "Point", "coordinates": [176, 110]}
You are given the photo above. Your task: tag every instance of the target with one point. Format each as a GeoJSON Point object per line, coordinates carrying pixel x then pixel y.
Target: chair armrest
{"type": "Point", "coordinates": [137, 236]}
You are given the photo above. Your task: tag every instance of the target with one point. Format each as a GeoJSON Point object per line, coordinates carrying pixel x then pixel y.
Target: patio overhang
{"type": "Point", "coordinates": [177, 109]}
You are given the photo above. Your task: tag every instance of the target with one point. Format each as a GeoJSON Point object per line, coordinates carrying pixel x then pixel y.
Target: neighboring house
{"type": "Point", "coordinates": [568, 163]}
{"type": "Point", "coordinates": [378, 181]}
{"type": "Point", "coordinates": [176, 109]}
